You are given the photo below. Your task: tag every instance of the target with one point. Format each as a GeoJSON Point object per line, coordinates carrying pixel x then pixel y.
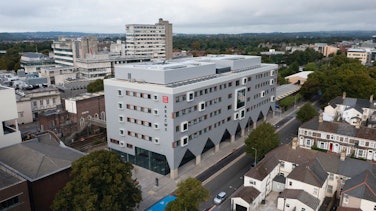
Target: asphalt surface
{"type": "Point", "coordinates": [232, 178]}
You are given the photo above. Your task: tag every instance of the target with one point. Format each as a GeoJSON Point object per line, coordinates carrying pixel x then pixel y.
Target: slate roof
{"type": "Point", "coordinates": [329, 162]}
{"type": "Point", "coordinates": [355, 103]}
{"type": "Point", "coordinates": [38, 158]}
{"type": "Point", "coordinates": [263, 168]}
{"type": "Point", "coordinates": [312, 174]}
{"type": "Point", "coordinates": [362, 186]}
{"type": "Point", "coordinates": [248, 194]}
{"type": "Point", "coordinates": [302, 196]}
{"type": "Point", "coordinates": [8, 179]}
{"type": "Point", "coordinates": [340, 128]}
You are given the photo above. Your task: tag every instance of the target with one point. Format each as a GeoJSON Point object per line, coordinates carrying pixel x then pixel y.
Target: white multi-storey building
{"type": "Point", "coordinates": [9, 133]}
{"type": "Point", "coordinates": [161, 115]}
{"type": "Point", "coordinates": [149, 40]}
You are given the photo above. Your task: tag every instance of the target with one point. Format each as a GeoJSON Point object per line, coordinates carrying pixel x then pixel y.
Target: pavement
{"type": "Point", "coordinates": [147, 179]}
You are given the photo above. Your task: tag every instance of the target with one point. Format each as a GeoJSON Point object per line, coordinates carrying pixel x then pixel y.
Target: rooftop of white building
{"type": "Point", "coordinates": [179, 72]}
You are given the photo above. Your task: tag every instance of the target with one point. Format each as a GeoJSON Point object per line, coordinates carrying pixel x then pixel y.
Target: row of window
{"type": "Point", "coordinates": [184, 125]}
{"type": "Point", "coordinates": [41, 102]}
{"type": "Point", "coordinates": [135, 121]}
{"type": "Point", "coordinates": [339, 138]}
{"type": "Point", "coordinates": [200, 107]}
{"type": "Point", "coordinates": [183, 141]}
{"type": "Point", "coordinates": [189, 96]}
{"type": "Point", "coordinates": [121, 143]}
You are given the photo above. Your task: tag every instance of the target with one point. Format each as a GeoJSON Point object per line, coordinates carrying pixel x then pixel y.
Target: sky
{"type": "Point", "coordinates": [188, 16]}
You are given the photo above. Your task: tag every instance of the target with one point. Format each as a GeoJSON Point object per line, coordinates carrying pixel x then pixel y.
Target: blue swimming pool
{"type": "Point", "coordinates": [161, 204]}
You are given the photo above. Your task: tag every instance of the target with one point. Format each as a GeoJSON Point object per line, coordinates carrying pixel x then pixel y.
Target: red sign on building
{"type": "Point", "coordinates": [165, 99]}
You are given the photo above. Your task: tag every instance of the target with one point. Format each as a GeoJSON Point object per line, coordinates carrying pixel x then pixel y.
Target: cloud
{"type": "Point", "coordinates": [192, 16]}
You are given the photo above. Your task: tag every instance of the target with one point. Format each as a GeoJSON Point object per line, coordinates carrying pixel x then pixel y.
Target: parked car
{"type": "Point", "coordinates": [220, 197]}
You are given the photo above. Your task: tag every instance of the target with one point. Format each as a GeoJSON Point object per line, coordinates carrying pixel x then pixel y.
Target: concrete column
{"type": "Point", "coordinates": [174, 173]}
{"type": "Point", "coordinates": [232, 138]}
{"type": "Point", "coordinates": [243, 132]}
{"type": "Point", "coordinates": [198, 159]}
{"type": "Point", "coordinates": [216, 149]}
{"type": "Point", "coordinates": [254, 125]}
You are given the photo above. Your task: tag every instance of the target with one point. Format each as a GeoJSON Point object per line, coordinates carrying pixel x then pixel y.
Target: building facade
{"type": "Point", "coordinates": [33, 62]}
{"type": "Point", "coordinates": [40, 100]}
{"type": "Point", "coordinates": [149, 40]}
{"type": "Point", "coordinates": [9, 132]}
{"type": "Point", "coordinates": [85, 107]}
{"type": "Point", "coordinates": [161, 115]}
{"type": "Point", "coordinates": [347, 125]}
{"type": "Point", "coordinates": [361, 54]}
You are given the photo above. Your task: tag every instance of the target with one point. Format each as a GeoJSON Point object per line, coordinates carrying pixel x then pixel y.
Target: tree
{"type": "Point", "coordinates": [189, 194]}
{"type": "Point", "coordinates": [306, 112]}
{"type": "Point", "coordinates": [263, 139]}
{"type": "Point", "coordinates": [100, 181]}
{"type": "Point", "coordinates": [95, 86]}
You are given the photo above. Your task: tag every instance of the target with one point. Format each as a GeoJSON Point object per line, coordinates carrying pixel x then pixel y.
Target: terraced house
{"type": "Point", "coordinates": [347, 124]}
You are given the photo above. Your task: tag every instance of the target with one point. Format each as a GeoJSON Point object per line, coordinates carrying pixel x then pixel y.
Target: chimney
{"type": "Point", "coordinates": [342, 156]}
{"type": "Point", "coordinates": [294, 142]}
{"type": "Point", "coordinates": [371, 99]}
{"type": "Point", "coordinates": [321, 117]}
{"type": "Point", "coordinates": [343, 95]}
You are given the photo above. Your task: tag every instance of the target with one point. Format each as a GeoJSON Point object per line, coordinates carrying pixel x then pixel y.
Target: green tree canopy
{"type": "Point", "coordinates": [306, 112]}
{"type": "Point", "coordinates": [338, 75]}
{"type": "Point", "coordinates": [264, 138]}
{"type": "Point", "coordinates": [100, 181]}
{"type": "Point", "coordinates": [189, 194]}
{"type": "Point", "coordinates": [95, 86]}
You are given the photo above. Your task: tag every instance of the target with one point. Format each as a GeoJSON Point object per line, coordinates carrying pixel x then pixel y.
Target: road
{"type": "Point", "coordinates": [232, 178]}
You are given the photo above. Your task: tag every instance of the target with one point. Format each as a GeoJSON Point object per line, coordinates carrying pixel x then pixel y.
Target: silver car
{"type": "Point", "coordinates": [220, 197]}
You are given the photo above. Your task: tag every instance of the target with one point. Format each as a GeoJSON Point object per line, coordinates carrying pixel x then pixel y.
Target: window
{"type": "Point", "coordinates": [242, 114]}
{"type": "Point", "coordinates": [331, 176]}
{"type": "Point", "coordinates": [184, 126]}
{"type": "Point", "coordinates": [252, 182]}
{"type": "Point", "coordinates": [229, 96]}
{"type": "Point", "coordinates": [290, 183]}
{"type": "Point", "coordinates": [236, 116]}
{"type": "Point", "coordinates": [272, 98]}
{"type": "Point", "coordinates": [155, 111]}
{"type": "Point", "coordinates": [315, 191]}
{"type": "Point", "coordinates": [156, 126]}
{"type": "Point", "coordinates": [190, 96]}
{"type": "Point", "coordinates": [120, 105]}
{"type": "Point", "coordinates": [41, 102]}
{"type": "Point", "coordinates": [184, 141]}
{"type": "Point", "coordinates": [244, 80]}
{"type": "Point", "coordinates": [262, 94]}
{"type": "Point", "coordinates": [9, 203]}
{"type": "Point", "coordinates": [156, 141]}
{"type": "Point", "coordinates": [303, 209]}
{"type": "Point", "coordinates": [271, 81]}
{"type": "Point", "coordinates": [155, 97]}
{"type": "Point", "coordinates": [330, 189]}
{"type": "Point", "coordinates": [121, 118]}
{"type": "Point", "coordinates": [237, 83]}
{"type": "Point", "coordinates": [121, 132]}
{"type": "Point", "coordinates": [201, 106]}
{"type": "Point", "coordinates": [345, 198]}
{"type": "Point", "coordinates": [120, 93]}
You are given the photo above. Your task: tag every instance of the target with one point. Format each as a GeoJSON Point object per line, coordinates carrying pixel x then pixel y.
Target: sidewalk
{"type": "Point", "coordinates": [151, 193]}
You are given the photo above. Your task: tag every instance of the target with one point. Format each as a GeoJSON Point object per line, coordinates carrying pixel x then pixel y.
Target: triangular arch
{"type": "Point", "coordinates": [188, 156]}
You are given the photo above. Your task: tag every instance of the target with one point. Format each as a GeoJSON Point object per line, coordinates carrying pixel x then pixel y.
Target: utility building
{"type": "Point", "coordinates": [162, 115]}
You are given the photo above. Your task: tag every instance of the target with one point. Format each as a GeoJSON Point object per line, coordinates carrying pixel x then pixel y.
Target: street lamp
{"type": "Point", "coordinates": [255, 156]}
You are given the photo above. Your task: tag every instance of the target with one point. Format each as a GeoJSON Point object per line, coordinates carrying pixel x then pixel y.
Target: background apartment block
{"type": "Point", "coordinates": [162, 115]}
{"type": "Point", "coordinates": [149, 40]}
{"type": "Point", "coordinates": [67, 50]}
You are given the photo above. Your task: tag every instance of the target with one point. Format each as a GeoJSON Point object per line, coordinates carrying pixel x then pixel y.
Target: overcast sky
{"type": "Point", "coordinates": [188, 16]}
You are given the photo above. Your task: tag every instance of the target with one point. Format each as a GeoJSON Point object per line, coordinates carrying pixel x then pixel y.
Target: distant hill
{"type": "Point", "coordinates": [20, 36]}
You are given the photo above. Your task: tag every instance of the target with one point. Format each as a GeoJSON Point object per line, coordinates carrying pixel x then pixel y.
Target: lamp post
{"type": "Point", "coordinates": [255, 156]}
